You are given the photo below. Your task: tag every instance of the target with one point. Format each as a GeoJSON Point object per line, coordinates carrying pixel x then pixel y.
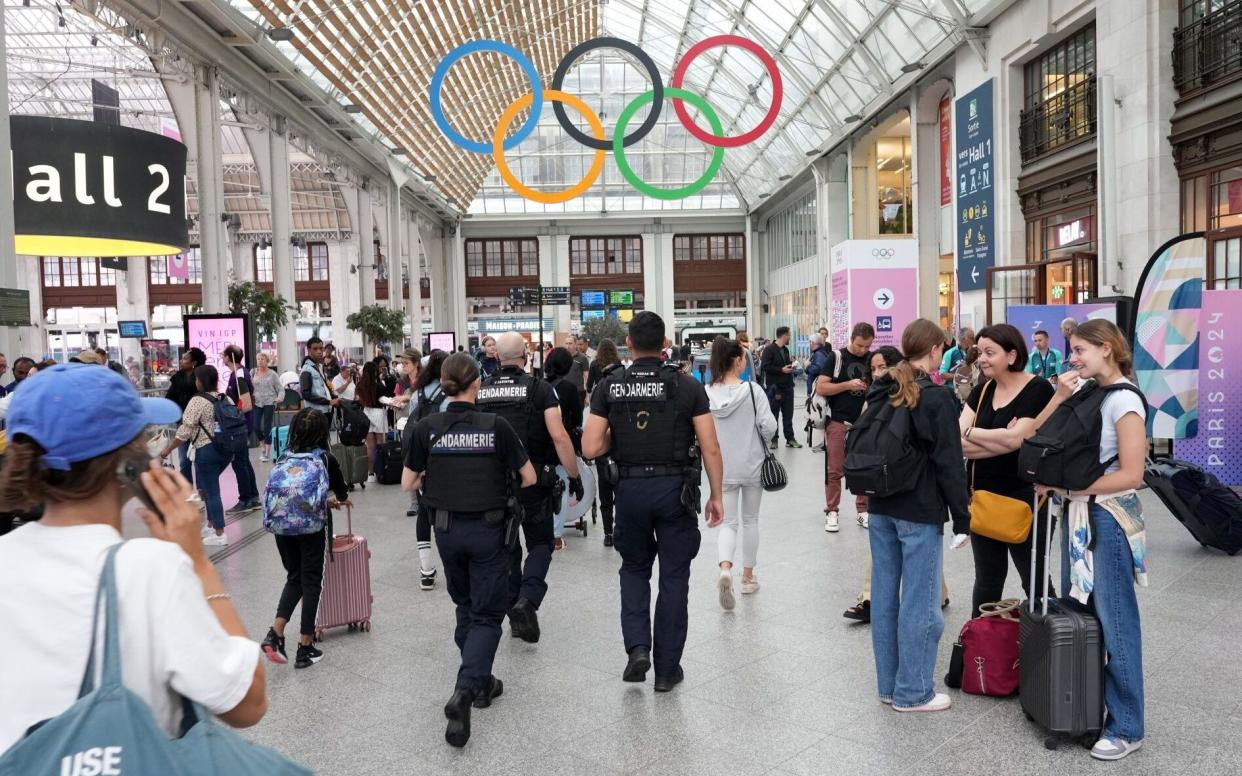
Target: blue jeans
{"type": "Point", "coordinates": [187, 466]}
{"type": "Point", "coordinates": [906, 621]}
{"type": "Point", "coordinates": [1116, 606]}
{"type": "Point", "coordinates": [207, 467]}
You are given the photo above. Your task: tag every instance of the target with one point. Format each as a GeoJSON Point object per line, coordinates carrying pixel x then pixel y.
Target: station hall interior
{"type": "Point", "coordinates": [736, 166]}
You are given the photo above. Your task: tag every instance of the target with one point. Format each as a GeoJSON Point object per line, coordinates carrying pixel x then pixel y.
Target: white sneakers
{"type": "Point", "coordinates": [939, 702]}
{"type": "Point", "coordinates": [215, 540]}
{"type": "Point", "coordinates": [750, 585]}
{"type": "Point", "coordinates": [724, 585]}
{"type": "Point", "coordinates": [371, 478]}
{"type": "Point", "coordinates": [864, 519]}
{"type": "Point", "coordinates": [1114, 748]}
{"type": "Point", "coordinates": [832, 523]}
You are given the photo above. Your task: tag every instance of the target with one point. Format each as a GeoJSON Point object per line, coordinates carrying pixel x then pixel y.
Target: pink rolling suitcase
{"type": "Point", "coordinates": [346, 598]}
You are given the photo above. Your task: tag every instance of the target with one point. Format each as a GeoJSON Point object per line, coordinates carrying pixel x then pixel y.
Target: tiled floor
{"type": "Point", "coordinates": [781, 685]}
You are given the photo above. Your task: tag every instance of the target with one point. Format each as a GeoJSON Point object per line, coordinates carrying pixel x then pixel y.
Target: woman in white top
{"type": "Point", "coordinates": [1105, 528]}
{"type": "Point", "coordinates": [743, 420]}
{"type": "Point", "coordinates": [180, 635]}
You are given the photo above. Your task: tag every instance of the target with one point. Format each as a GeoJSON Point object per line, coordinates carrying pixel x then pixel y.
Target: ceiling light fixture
{"type": "Point", "coordinates": [766, 194]}
{"type": "Point", "coordinates": [784, 177]}
{"type": "Point", "coordinates": [351, 108]}
{"type": "Point", "coordinates": [814, 152]}
{"type": "Point", "coordinates": [912, 67]}
{"type": "Point", "coordinates": [852, 118]}
{"type": "Point", "coordinates": [279, 34]}
{"type": "Point", "coordinates": [429, 178]}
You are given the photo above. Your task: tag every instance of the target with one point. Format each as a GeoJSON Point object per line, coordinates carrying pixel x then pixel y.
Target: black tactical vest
{"type": "Point", "coordinates": [464, 472]}
{"type": "Point", "coordinates": [646, 427]}
{"type": "Point", "coordinates": [510, 394]}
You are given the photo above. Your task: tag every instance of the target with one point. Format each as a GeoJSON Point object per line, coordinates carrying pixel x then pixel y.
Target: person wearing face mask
{"type": "Point", "coordinates": [999, 414]}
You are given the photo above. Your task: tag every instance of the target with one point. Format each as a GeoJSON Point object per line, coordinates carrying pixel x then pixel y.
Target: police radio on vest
{"type": "Point", "coordinates": [44, 184]}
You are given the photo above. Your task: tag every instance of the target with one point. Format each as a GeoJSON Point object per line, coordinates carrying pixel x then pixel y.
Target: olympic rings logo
{"type": "Point", "coordinates": [596, 140]}
{"type": "Point", "coordinates": [883, 253]}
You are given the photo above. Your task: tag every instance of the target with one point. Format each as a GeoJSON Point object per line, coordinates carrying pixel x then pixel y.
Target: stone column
{"type": "Point", "coordinates": [282, 234]}
{"type": "Point", "coordinates": [364, 233]}
{"type": "Point", "coordinates": [209, 172]}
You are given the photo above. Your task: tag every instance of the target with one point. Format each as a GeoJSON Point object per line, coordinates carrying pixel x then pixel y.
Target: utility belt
{"type": "Point", "coordinates": [627, 472]}
{"type": "Point", "coordinates": [691, 473]}
{"type": "Point", "coordinates": [510, 517]}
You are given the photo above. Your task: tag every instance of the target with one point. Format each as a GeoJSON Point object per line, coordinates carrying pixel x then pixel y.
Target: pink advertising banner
{"type": "Point", "coordinates": [1217, 445]}
{"type": "Point", "coordinates": [212, 334]}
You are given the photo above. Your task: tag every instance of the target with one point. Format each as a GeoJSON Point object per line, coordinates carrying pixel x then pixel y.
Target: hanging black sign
{"type": "Point", "coordinates": [82, 188]}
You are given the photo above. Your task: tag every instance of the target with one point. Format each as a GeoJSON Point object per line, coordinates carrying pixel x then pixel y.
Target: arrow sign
{"type": "Point", "coordinates": [883, 298]}
{"type": "Point", "coordinates": [974, 273]}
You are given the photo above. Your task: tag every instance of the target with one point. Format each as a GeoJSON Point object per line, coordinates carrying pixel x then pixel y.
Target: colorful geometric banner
{"type": "Point", "coordinates": [1166, 336]}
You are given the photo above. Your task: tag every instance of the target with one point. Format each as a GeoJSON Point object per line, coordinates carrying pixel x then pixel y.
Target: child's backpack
{"type": "Point", "coordinates": [295, 500]}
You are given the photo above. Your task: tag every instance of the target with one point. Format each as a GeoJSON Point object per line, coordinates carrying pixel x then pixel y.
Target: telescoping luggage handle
{"type": "Point", "coordinates": [1047, 548]}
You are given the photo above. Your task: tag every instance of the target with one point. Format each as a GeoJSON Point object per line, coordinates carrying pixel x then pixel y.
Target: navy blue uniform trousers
{"type": "Point", "coordinates": [476, 572]}
{"type": "Point", "coordinates": [651, 523]}
{"type": "Point", "coordinates": [530, 581]}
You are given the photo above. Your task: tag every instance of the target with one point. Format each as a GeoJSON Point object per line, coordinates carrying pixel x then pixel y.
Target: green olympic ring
{"type": "Point", "coordinates": [618, 145]}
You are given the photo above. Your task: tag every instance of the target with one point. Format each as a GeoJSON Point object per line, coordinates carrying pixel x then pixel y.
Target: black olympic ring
{"type": "Point", "coordinates": [657, 86]}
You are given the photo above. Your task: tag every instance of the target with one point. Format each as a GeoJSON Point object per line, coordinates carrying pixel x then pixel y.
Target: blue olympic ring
{"type": "Point", "coordinates": [471, 47]}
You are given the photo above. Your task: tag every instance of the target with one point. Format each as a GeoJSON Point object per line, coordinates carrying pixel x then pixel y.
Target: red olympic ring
{"type": "Point", "coordinates": [778, 91]}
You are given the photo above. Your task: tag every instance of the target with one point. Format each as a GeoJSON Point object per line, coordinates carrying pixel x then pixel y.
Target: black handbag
{"type": "Point", "coordinates": [772, 473]}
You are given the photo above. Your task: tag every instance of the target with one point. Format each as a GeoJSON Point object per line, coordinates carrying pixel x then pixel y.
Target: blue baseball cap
{"type": "Point", "coordinates": [76, 412]}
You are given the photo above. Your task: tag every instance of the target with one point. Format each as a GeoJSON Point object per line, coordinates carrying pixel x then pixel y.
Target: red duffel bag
{"type": "Point", "coordinates": [988, 645]}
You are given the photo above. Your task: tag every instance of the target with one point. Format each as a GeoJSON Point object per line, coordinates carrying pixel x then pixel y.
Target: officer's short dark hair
{"type": "Point", "coordinates": [864, 330]}
{"type": "Point", "coordinates": [647, 332]}
{"type": "Point", "coordinates": [781, 331]}
{"type": "Point", "coordinates": [1010, 341]}
{"type": "Point", "coordinates": [1041, 331]}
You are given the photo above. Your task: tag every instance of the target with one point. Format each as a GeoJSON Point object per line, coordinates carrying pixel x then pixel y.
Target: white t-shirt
{"type": "Point", "coordinates": [342, 390]}
{"type": "Point", "coordinates": [171, 642]}
{"type": "Point", "coordinates": [1116, 406]}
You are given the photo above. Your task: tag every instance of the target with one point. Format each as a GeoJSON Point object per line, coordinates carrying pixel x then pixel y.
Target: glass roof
{"type": "Point", "coordinates": [837, 58]}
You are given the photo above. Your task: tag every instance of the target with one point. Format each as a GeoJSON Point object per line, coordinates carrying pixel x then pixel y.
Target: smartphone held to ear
{"type": "Point", "coordinates": [128, 472]}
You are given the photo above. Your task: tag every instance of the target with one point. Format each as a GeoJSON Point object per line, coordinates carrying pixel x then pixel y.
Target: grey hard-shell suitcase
{"type": "Point", "coordinates": [1061, 654]}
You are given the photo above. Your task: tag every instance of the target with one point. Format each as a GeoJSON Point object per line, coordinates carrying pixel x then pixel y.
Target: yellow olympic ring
{"type": "Point", "coordinates": [498, 149]}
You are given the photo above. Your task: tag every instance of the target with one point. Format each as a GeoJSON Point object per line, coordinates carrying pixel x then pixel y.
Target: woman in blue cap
{"type": "Point", "coordinates": [179, 632]}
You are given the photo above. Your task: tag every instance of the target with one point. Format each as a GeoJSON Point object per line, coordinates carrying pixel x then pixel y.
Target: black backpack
{"type": "Point", "coordinates": [231, 432]}
{"type": "Point", "coordinates": [352, 424]}
{"type": "Point", "coordinates": [427, 406]}
{"type": "Point", "coordinates": [1066, 451]}
{"type": "Point", "coordinates": [882, 457]}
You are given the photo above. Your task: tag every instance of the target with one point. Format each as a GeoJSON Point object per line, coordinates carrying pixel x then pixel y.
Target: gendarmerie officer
{"type": "Point", "coordinates": [654, 414]}
{"type": "Point", "coordinates": [532, 409]}
{"type": "Point", "coordinates": [467, 464]}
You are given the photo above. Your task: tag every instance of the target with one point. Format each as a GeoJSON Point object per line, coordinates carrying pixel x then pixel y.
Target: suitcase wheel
{"type": "Point", "coordinates": [366, 626]}
{"type": "Point", "coordinates": [1029, 718]}
{"type": "Point", "coordinates": [318, 636]}
{"type": "Point", "coordinates": [1051, 743]}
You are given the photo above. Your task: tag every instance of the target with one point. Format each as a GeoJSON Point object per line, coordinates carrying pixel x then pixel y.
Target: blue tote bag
{"type": "Point", "coordinates": [208, 749]}
{"type": "Point", "coordinates": [109, 729]}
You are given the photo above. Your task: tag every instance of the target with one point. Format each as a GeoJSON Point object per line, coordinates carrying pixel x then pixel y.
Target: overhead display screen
{"type": "Point", "coordinates": [593, 299]}
{"type": "Point", "coordinates": [621, 298]}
